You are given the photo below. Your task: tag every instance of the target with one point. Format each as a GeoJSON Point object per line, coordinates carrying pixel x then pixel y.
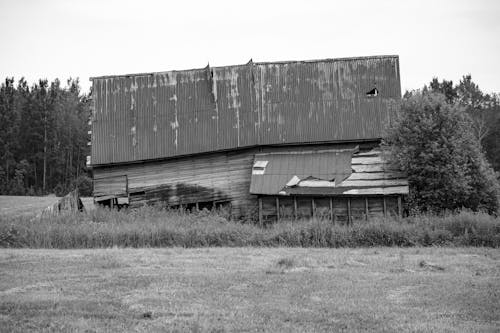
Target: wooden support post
{"type": "Point", "coordinates": [332, 217]}
{"type": "Point", "coordinates": [197, 206]}
{"type": "Point", "coordinates": [366, 208]}
{"type": "Point", "coordinates": [385, 207]}
{"type": "Point", "coordinates": [260, 211]}
{"type": "Point", "coordinates": [295, 214]}
{"type": "Point", "coordinates": [277, 209]}
{"type": "Point", "coordinates": [349, 220]}
{"type": "Point", "coordinates": [400, 207]}
{"type": "Point", "coordinates": [313, 206]}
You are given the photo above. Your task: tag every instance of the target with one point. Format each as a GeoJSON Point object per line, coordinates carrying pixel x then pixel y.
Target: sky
{"type": "Point", "coordinates": [84, 38]}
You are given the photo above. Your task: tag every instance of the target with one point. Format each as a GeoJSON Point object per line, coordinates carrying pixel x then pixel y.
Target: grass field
{"type": "Point", "coordinates": [250, 289]}
{"type": "Point", "coordinates": [12, 205]}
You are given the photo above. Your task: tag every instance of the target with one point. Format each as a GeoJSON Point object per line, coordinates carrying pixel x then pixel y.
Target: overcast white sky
{"type": "Point", "coordinates": [63, 38]}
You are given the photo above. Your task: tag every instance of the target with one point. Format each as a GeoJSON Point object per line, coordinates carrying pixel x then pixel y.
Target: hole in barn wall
{"type": "Point", "coordinates": [372, 93]}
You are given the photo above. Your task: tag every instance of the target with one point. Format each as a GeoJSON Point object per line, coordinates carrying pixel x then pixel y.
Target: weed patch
{"type": "Point", "coordinates": [156, 227]}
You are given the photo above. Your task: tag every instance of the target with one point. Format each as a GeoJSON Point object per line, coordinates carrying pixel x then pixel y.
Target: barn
{"type": "Point", "coordinates": [268, 140]}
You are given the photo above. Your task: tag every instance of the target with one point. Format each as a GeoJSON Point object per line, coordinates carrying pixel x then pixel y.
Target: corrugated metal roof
{"type": "Point", "coordinates": [365, 173]}
{"type": "Point", "coordinates": [282, 167]}
{"type": "Point", "coordinates": [158, 115]}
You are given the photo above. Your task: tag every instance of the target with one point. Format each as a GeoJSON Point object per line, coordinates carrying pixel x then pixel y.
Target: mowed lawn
{"type": "Point", "coordinates": [250, 289]}
{"type": "Point", "coordinates": [12, 205]}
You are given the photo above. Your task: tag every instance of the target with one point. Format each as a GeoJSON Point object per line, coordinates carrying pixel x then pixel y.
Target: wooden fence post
{"type": "Point", "coordinates": [313, 206]}
{"type": "Point", "coordinates": [332, 218]}
{"type": "Point", "coordinates": [366, 208]}
{"type": "Point", "coordinates": [260, 211]}
{"type": "Point", "coordinates": [349, 211]}
{"type": "Point", "coordinates": [385, 207]}
{"type": "Point", "coordinates": [295, 208]}
{"type": "Point", "coordinates": [400, 207]}
{"type": "Point", "coordinates": [277, 209]}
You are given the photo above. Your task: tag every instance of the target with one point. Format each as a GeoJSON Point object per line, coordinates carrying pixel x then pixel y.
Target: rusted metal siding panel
{"type": "Point", "coordinates": [282, 167]}
{"type": "Point", "coordinates": [158, 115]}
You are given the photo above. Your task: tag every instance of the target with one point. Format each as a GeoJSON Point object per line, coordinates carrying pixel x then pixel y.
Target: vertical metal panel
{"type": "Point", "coordinates": [158, 115]}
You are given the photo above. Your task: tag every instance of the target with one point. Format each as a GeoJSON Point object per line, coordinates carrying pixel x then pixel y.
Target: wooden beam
{"type": "Point", "coordinates": [295, 208]}
{"type": "Point", "coordinates": [385, 207]}
{"type": "Point", "coordinates": [400, 207]}
{"type": "Point", "coordinates": [366, 208]}
{"type": "Point", "coordinates": [313, 206]}
{"type": "Point", "coordinates": [349, 211]}
{"type": "Point", "coordinates": [277, 209]}
{"type": "Point", "coordinates": [260, 211]}
{"type": "Point", "coordinates": [332, 216]}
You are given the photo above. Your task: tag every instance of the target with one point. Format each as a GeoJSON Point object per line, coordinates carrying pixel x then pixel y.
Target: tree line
{"type": "Point", "coordinates": [43, 137]}
{"type": "Point", "coordinates": [481, 108]}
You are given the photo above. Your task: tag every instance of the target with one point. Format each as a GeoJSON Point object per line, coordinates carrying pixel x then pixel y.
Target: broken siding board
{"type": "Point", "coordinates": [382, 167]}
{"type": "Point", "coordinates": [371, 153]}
{"type": "Point", "coordinates": [376, 175]}
{"type": "Point", "coordinates": [366, 160]}
{"type": "Point", "coordinates": [374, 183]}
{"type": "Point", "coordinates": [379, 190]}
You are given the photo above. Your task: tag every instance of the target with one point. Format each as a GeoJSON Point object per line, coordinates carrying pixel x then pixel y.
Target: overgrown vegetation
{"type": "Point", "coordinates": [434, 143]}
{"type": "Point", "coordinates": [154, 227]}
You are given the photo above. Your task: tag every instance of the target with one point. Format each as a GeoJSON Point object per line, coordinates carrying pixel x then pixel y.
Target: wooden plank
{"type": "Point", "coordinates": [374, 183]}
{"type": "Point", "coordinates": [260, 212]}
{"type": "Point", "coordinates": [313, 206]}
{"type": "Point", "coordinates": [277, 209]}
{"type": "Point", "coordinates": [378, 190]}
{"type": "Point", "coordinates": [349, 211]}
{"type": "Point", "coordinates": [366, 208]}
{"type": "Point", "coordinates": [295, 207]}
{"type": "Point", "coordinates": [114, 185]}
{"type": "Point", "coordinates": [366, 160]}
{"type": "Point", "coordinates": [369, 153]}
{"type": "Point", "coordinates": [400, 206]}
{"type": "Point", "coordinates": [368, 168]}
{"type": "Point", "coordinates": [376, 175]}
{"type": "Point", "coordinates": [332, 216]}
{"type": "Point", "coordinates": [385, 207]}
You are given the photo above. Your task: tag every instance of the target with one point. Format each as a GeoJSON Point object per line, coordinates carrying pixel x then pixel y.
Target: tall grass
{"type": "Point", "coordinates": [156, 227]}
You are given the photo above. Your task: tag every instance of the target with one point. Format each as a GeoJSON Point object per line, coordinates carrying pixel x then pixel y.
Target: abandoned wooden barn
{"type": "Point", "coordinates": [275, 140]}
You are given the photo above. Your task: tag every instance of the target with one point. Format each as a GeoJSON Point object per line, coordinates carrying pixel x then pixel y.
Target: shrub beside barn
{"type": "Point", "coordinates": [275, 140]}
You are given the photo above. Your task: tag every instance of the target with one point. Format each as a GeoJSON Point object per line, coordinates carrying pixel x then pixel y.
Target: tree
{"type": "Point", "coordinates": [483, 109]}
{"type": "Point", "coordinates": [432, 141]}
{"type": "Point", "coordinates": [9, 131]}
{"type": "Point", "coordinates": [43, 136]}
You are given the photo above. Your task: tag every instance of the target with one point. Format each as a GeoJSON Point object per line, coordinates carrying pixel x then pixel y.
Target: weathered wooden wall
{"type": "Point", "coordinates": [202, 178]}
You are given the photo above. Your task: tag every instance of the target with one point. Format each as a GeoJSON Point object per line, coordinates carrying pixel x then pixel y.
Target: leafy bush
{"type": "Point", "coordinates": [432, 141]}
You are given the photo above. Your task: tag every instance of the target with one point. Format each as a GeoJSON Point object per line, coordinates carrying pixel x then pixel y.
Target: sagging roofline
{"type": "Point", "coordinates": [352, 142]}
{"type": "Point", "coordinates": [326, 60]}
